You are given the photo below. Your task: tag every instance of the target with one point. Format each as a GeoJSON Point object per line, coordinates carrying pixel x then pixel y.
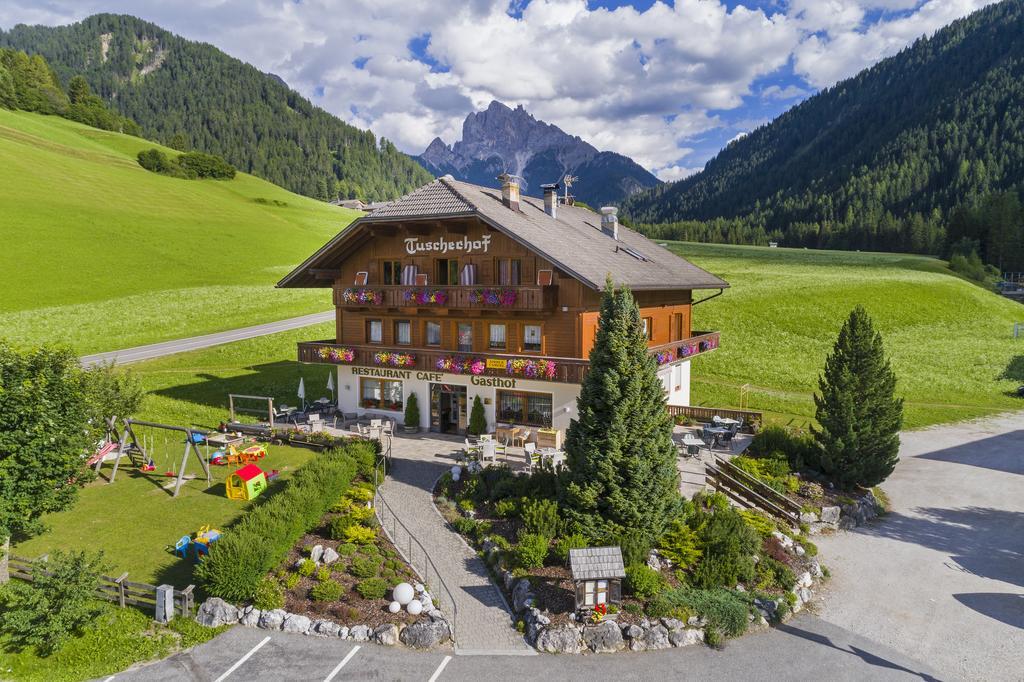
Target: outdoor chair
{"type": "Point", "coordinates": [522, 437]}
{"type": "Point", "coordinates": [376, 423]}
{"type": "Point", "coordinates": [181, 546]}
{"type": "Point", "coordinates": [201, 549]}
{"type": "Point", "coordinates": [532, 457]}
{"type": "Point", "coordinates": [389, 427]}
{"type": "Point", "coordinates": [489, 451]}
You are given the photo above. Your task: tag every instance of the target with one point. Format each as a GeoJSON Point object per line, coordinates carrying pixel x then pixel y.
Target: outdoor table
{"type": "Point", "coordinates": [717, 432]}
{"type": "Point", "coordinates": [223, 440]}
{"type": "Point", "coordinates": [555, 456]}
{"type": "Point", "coordinates": [726, 421]}
{"type": "Point", "coordinates": [506, 433]}
{"type": "Point", "coordinates": [690, 439]}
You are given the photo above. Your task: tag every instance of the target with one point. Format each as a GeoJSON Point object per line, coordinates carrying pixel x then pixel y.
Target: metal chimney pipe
{"type": "Point", "coordinates": [610, 221]}
{"type": "Point", "coordinates": [551, 199]}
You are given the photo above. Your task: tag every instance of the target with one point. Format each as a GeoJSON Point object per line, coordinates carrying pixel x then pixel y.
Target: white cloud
{"type": "Point", "coordinates": [642, 83]}
{"type": "Point", "coordinates": [673, 173]}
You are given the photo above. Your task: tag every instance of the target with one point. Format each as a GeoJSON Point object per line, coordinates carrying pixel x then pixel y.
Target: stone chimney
{"type": "Point", "coordinates": [551, 199]}
{"type": "Point", "coordinates": [509, 191]}
{"type": "Point", "coordinates": [610, 221]}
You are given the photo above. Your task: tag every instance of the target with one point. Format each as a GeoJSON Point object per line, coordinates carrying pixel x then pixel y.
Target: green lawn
{"type": "Point", "coordinates": [134, 519]}
{"type": "Point", "coordinates": [950, 342]}
{"type": "Point", "coordinates": [102, 254]}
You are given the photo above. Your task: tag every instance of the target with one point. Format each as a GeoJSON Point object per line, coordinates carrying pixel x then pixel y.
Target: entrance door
{"type": "Point", "coordinates": [448, 408]}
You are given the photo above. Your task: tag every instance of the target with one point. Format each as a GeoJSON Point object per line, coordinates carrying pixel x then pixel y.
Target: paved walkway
{"type": "Point", "coordinates": [484, 625]}
{"type": "Point", "coordinates": [941, 577]}
{"type": "Point", "coordinates": [156, 350]}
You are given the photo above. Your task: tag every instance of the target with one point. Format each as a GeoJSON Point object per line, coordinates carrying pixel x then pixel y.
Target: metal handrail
{"type": "Point", "coordinates": [424, 574]}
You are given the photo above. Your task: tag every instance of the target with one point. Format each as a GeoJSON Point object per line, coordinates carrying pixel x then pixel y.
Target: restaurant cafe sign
{"type": "Point", "coordinates": [414, 245]}
{"type": "Point", "coordinates": [407, 374]}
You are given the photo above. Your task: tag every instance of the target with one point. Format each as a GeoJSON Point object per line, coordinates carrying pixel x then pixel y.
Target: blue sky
{"type": "Point", "coordinates": [667, 83]}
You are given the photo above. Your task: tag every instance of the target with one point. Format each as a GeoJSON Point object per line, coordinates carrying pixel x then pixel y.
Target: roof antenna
{"type": "Point", "coordinates": [567, 183]}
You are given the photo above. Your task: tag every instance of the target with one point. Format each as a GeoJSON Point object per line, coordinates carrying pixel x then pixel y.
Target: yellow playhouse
{"type": "Point", "coordinates": [246, 484]}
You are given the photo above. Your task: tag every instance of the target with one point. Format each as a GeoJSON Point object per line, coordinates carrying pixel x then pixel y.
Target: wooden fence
{"type": "Point", "coordinates": [749, 491]}
{"type": "Point", "coordinates": [751, 420]}
{"type": "Point", "coordinates": [119, 590]}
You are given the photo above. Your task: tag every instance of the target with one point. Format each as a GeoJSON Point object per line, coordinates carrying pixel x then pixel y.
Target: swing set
{"type": "Point", "coordinates": [129, 445]}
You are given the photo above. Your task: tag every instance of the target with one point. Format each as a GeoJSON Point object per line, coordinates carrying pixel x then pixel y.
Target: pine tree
{"type": "Point", "coordinates": [622, 462]}
{"type": "Point", "coordinates": [477, 418]}
{"type": "Point", "coordinates": [857, 408]}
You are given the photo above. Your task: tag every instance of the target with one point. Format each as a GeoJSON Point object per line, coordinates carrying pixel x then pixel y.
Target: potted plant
{"type": "Point", "coordinates": [412, 414]}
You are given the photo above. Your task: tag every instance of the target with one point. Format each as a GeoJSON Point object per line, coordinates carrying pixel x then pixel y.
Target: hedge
{"type": "Point", "coordinates": [261, 538]}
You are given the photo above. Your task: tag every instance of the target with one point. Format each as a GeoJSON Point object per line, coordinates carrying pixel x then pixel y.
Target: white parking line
{"type": "Point", "coordinates": [440, 668]}
{"type": "Point", "coordinates": [109, 679]}
{"type": "Point", "coordinates": [242, 660]}
{"type": "Point", "coordinates": [341, 665]}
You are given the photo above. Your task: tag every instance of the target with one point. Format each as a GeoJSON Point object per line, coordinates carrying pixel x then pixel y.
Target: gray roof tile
{"type": "Point", "coordinates": [596, 563]}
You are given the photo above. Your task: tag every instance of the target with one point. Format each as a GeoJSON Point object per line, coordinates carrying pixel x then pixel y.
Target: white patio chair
{"type": "Point", "coordinates": [532, 458]}
{"type": "Point", "coordinates": [489, 451]}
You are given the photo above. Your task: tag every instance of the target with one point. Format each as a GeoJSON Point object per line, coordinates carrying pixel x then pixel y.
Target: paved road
{"type": "Point", "coordinates": [807, 648]}
{"type": "Point", "coordinates": [941, 578]}
{"type": "Point", "coordinates": [156, 350]}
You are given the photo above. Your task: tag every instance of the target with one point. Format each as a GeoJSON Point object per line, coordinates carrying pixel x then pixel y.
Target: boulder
{"type": "Point", "coordinates": [296, 624]}
{"type": "Point", "coordinates": [250, 616]}
{"type": "Point", "coordinates": [783, 539]}
{"type": "Point", "coordinates": [360, 633]}
{"type": "Point", "coordinates": [386, 634]}
{"type": "Point", "coordinates": [673, 624]}
{"type": "Point", "coordinates": [653, 561]}
{"type": "Point", "coordinates": [686, 637]}
{"type": "Point", "coordinates": [653, 638]}
{"type": "Point", "coordinates": [564, 639]}
{"type": "Point", "coordinates": [329, 556]}
{"type": "Point", "coordinates": [324, 628]}
{"type": "Point", "coordinates": [215, 612]}
{"type": "Point", "coordinates": [804, 579]}
{"type": "Point", "coordinates": [799, 550]}
{"type": "Point", "coordinates": [830, 515]}
{"type": "Point", "coordinates": [604, 638]}
{"type": "Point", "coordinates": [316, 553]}
{"type": "Point", "coordinates": [508, 579]}
{"type": "Point", "coordinates": [424, 634]}
{"type": "Point", "coordinates": [535, 621]}
{"type": "Point", "coordinates": [804, 595]}
{"type": "Point", "coordinates": [815, 570]}
{"type": "Point", "coordinates": [632, 631]}
{"type": "Point", "coordinates": [273, 620]}
{"type": "Point", "coordinates": [342, 632]}
{"type": "Point", "coordinates": [521, 594]}
{"type": "Point", "coordinates": [808, 517]}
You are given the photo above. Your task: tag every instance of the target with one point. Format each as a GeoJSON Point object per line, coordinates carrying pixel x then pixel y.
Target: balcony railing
{"type": "Point", "coordinates": [543, 368]}
{"type": "Point", "coordinates": [477, 297]}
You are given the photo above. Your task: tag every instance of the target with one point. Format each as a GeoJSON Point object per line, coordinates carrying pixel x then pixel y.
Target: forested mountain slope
{"type": "Point", "coordinates": [189, 94]}
{"type": "Point", "coordinates": [877, 161]}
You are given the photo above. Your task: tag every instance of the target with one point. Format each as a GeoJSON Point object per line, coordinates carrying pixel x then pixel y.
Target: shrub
{"type": "Point", "coordinates": [52, 608]}
{"type": "Point", "coordinates": [155, 161]}
{"type": "Point", "coordinates": [632, 608]}
{"type": "Point", "coordinates": [261, 538]}
{"type": "Point", "coordinates": [760, 522]}
{"type": "Point", "coordinates": [203, 165]}
{"type": "Point", "coordinates": [268, 595]}
{"type": "Point", "coordinates": [643, 581]}
{"type": "Point", "coordinates": [360, 535]}
{"type": "Point", "coordinates": [464, 526]}
{"type": "Point", "coordinates": [323, 573]}
{"type": "Point", "coordinates": [540, 517]}
{"type": "Point", "coordinates": [370, 550]}
{"type": "Point", "coordinates": [727, 543]}
{"type": "Point", "coordinates": [567, 542]}
{"type": "Point", "coordinates": [811, 490]}
{"type": "Point", "coordinates": [359, 494]}
{"type": "Point", "coordinates": [477, 418]}
{"type": "Point", "coordinates": [504, 509]}
{"type": "Point", "coordinates": [679, 544]}
{"type": "Point", "coordinates": [347, 549]}
{"type": "Point", "coordinates": [291, 581]}
{"type": "Point", "coordinates": [799, 450]}
{"type": "Point", "coordinates": [306, 568]}
{"type": "Point", "coordinates": [772, 574]}
{"type": "Point", "coordinates": [725, 610]}
{"type": "Point", "coordinates": [338, 526]}
{"type": "Point", "coordinates": [328, 590]}
{"type": "Point", "coordinates": [531, 550]}
{"type": "Point", "coordinates": [372, 588]}
{"type": "Point", "coordinates": [466, 505]}
{"type": "Point", "coordinates": [810, 548]}
{"type": "Point", "coordinates": [364, 567]}
{"type": "Point", "coordinates": [635, 547]}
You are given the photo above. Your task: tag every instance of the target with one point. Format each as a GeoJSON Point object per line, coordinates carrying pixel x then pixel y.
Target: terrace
{"type": "Point", "coordinates": [474, 297]}
{"type": "Point", "coordinates": [565, 370]}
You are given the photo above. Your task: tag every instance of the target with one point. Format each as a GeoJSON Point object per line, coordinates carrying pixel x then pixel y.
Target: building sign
{"type": "Point", "coordinates": [495, 363]}
{"type": "Point", "coordinates": [414, 245]}
{"type": "Point", "coordinates": [384, 373]}
{"type": "Point", "coordinates": [493, 381]}
{"type": "Point", "coordinates": [435, 377]}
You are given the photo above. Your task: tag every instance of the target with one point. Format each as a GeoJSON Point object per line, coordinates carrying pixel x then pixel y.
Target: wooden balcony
{"type": "Point", "coordinates": [477, 297]}
{"type": "Point", "coordinates": [537, 368]}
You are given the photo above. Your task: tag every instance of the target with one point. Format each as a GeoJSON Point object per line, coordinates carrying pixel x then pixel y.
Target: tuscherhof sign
{"type": "Point", "coordinates": [414, 245]}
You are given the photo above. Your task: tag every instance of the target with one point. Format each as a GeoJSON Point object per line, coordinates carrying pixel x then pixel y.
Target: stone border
{"type": "Point", "coordinates": [428, 633]}
{"type": "Point", "coordinates": [846, 516]}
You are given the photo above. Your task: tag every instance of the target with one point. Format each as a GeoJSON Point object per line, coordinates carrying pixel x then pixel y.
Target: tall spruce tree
{"type": "Point", "coordinates": [622, 463]}
{"type": "Point", "coordinates": [857, 408]}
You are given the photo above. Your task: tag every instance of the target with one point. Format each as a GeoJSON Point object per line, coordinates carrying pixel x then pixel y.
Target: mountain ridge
{"type": "Point", "coordinates": [501, 139]}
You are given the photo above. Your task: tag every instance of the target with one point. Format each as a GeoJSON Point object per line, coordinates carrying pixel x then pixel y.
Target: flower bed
{"type": "Point", "coordinates": [425, 296]}
{"type": "Point", "coordinates": [500, 297]}
{"type": "Point", "coordinates": [365, 296]}
{"type": "Point", "coordinates": [336, 354]}
{"type": "Point", "coordinates": [533, 369]}
{"type": "Point", "coordinates": [461, 365]}
{"type": "Point", "coordinates": [391, 359]}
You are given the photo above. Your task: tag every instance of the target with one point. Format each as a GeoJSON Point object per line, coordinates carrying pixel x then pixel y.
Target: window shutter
{"type": "Point", "coordinates": [579, 593]}
{"type": "Point", "coordinates": [615, 591]}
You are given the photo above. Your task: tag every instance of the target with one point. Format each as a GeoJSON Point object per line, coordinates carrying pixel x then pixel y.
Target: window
{"type": "Point", "coordinates": [519, 407]}
{"type": "Point", "coordinates": [384, 394]}
{"type": "Point", "coordinates": [677, 327]}
{"type": "Point", "coordinates": [465, 339]}
{"type": "Point", "coordinates": [509, 271]}
{"type": "Point", "coordinates": [496, 340]}
{"type": "Point", "coordinates": [433, 333]}
{"type": "Point", "coordinates": [531, 337]}
{"type": "Point", "coordinates": [595, 592]}
{"type": "Point", "coordinates": [391, 272]}
{"type": "Point", "coordinates": [648, 323]}
{"type": "Point", "coordinates": [403, 332]}
{"type": "Point", "coordinates": [374, 331]}
{"type": "Point", "coordinates": [447, 271]}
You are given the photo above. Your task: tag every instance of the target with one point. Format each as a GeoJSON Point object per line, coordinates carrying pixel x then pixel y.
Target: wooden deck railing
{"type": "Point", "coordinates": [751, 420]}
{"type": "Point", "coordinates": [119, 590]}
{"type": "Point", "coordinates": [749, 491]}
{"type": "Point", "coordinates": [454, 296]}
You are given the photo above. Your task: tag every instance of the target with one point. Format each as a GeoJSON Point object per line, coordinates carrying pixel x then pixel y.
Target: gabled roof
{"type": "Point", "coordinates": [596, 563]}
{"type": "Point", "coordinates": [249, 472]}
{"type": "Point", "coordinates": [573, 241]}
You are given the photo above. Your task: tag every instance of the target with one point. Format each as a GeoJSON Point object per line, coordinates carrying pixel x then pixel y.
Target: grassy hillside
{"type": "Point", "coordinates": [103, 254]}
{"type": "Point", "coordinates": [950, 341]}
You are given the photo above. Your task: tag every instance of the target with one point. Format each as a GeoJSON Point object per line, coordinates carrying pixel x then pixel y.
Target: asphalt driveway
{"type": "Point", "coordinates": [941, 578]}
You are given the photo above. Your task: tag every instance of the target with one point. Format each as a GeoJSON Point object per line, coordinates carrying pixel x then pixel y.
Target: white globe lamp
{"type": "Point", "coordinates": [414, 608]}
{"type": "Point", "coordinates": [394, 607]}
{"type": "Point", "coordinates": [403, 593]}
